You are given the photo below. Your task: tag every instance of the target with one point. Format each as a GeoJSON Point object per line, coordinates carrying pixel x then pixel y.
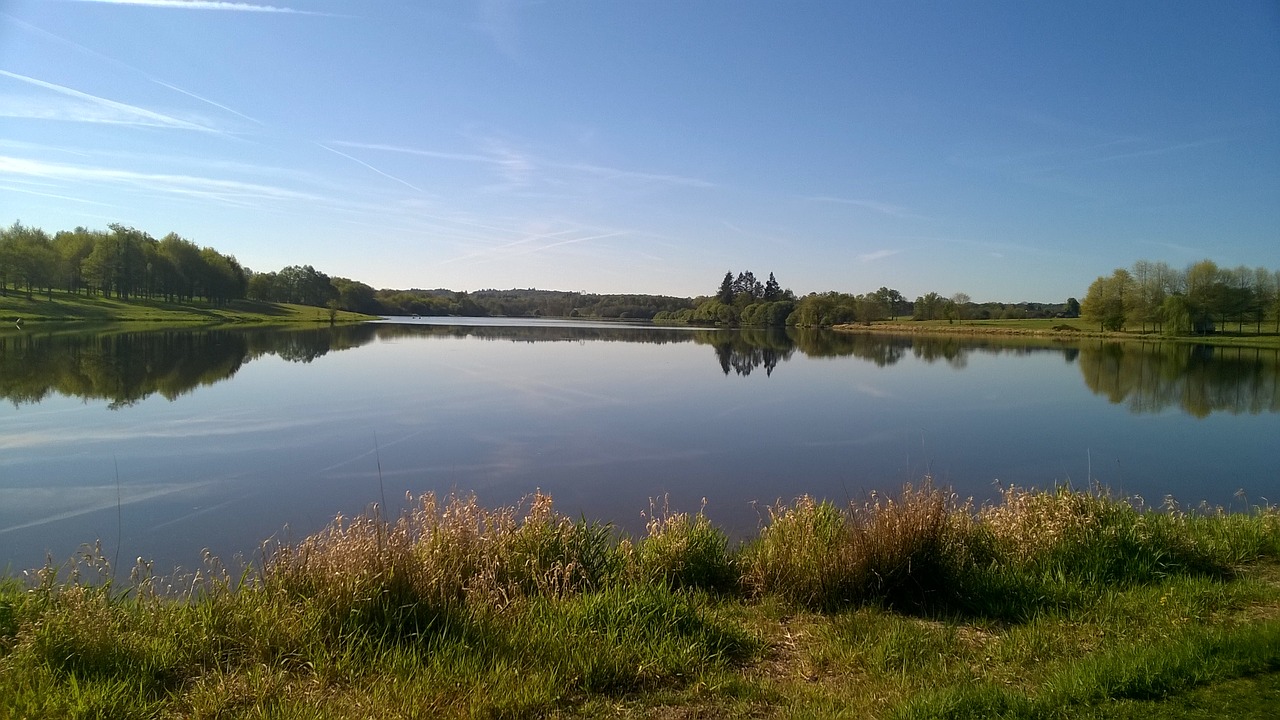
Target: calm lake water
{"type": "Point", "coordinates": [167, 442]}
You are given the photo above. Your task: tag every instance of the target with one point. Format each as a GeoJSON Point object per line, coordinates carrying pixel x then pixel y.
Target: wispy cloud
{"type": "Point", "coordinates": [616, 173]}
{"type": "Point", "coordinates": [40, 148]}
{"type": "Point", "coordinates": [55, 196]}
{"type": "Point", "coordinates": [518, 167]}
{"type": "Point", "coordinates": [462, 157]}
{"type": "Point", "coordinates": [86, 108]}
{"type": "Point", "coordinates": [1184, 250]}
{"type": "Point", "coordinates": [780, 240]}
{"type": "Point", "coordinates": [226, 191]}
{"type": "Point", "coordinates": [880, 207]}
{"type": "Point", "coordinates": [529, 244]}
{"type": "Point", "coordinates": [500, 249]}
{"type": "Point", "coordinates": [99, 56]}
{"type": "Point", "coordinates": [204, 5]}
{"type": "Point", "coordinates": [1156, 151]}
{"type": "Point", "coordinates": [1056, 159]}
{"type": "Point", "coordinates": [572, 241]}
{"type": "Point", "coordinates": [877, 255]}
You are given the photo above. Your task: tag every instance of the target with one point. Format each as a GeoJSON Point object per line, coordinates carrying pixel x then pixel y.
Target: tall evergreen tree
{"type": "Point", "coordinates": [725, 294]}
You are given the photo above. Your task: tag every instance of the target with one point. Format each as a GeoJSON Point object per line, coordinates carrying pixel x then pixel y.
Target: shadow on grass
{"type": "Point", "coordinates": [258, 307]}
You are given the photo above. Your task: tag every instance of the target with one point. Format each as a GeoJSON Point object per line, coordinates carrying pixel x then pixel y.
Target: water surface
{"type": "Point", "coordinates": [162, 443]}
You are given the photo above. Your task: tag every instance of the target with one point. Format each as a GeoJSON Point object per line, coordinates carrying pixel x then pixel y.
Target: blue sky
{"type": "Point", "coordinates": [1010, 150]}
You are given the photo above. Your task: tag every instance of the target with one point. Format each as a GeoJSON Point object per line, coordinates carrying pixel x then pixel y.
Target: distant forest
{"type": "Point", "coordinates": [124, 263]}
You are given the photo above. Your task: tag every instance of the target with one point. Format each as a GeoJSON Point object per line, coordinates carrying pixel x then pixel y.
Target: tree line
{"type": "Point", "coordinates": [1198, 300]}
{"type": "Point", "coordinates": [125, 263]}
{"type": "Point", "coordinates": [744, 300]}
{"type": "Point", "coordinates": [119, 262]}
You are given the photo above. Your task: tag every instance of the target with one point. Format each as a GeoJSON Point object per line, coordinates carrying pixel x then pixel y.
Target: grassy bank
{"type": "Point", "coordinates": [1062, 329]}
{"type": "Point", "coordinates": [1045, 604]}
{"type": "Point", "coordinates": [65, 306]}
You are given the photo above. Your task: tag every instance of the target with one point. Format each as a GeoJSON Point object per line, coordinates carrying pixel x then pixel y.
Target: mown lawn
{"type": "Point", "coordinates": [1067, 328]}
{"type": "Point", "coordinates": [65, 306]}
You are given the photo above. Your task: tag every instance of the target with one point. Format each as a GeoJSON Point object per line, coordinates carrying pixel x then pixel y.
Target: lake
{"type": "Point", "coordinates": [162, 443]}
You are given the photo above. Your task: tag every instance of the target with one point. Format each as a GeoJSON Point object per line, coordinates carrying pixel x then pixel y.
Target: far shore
{"type": "Point", "coordinates": [1055, 329]}
{"type": "Point", "coordinates": [62, 307]}
{"type": "Point", "coordinates": [23, 311]}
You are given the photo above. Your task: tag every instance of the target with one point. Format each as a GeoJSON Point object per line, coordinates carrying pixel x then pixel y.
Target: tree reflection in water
{"type": "Point", "coordinates": [125, 367]}
{"type": "Point", "coordinates": [1197, 379]}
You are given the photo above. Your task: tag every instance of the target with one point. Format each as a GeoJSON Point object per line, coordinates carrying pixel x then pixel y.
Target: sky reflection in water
{"type": "Point", "coordinates": [234, 435]}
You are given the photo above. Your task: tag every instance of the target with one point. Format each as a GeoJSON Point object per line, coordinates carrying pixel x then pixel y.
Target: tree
{"type": "Point", "coordinates": [1275, 301]}
{"type": "Point", "coordinates": [930, 306]}
{"type": "Point", "coordinates": [1109, 300]}
{"type": "Point", "coordinates": [357, 297]}
{"type": "Point", "coordinates": [72, 248]}
{"type": "Point", "coordinates": [223, 278]}
{"type": "Point", "coordinates": [1146, 304]}
{"type": "Point", "coordinates": [959, 307]}
{"type": "Point", "coordinates": [887, 302]}
{"type": "Point", "coordinates": [772, 290]}
{"type": "Point", "coordinates": [725, 294]}
{"type": "Point", "coordinates": [102, 268]}
{"type": "Point", "coordinates": [747, 287]}
{"type": "Point", "coordinates": [304, 285]}
{"type": "Point", "coordinates": [185, 264]}
{"type": "Point", "coordinates": [1206, 294]}
{"type": "Point", "coordinates": [1264, 295]}
{"type": "Point", "coordinates": [1073, 307]}
{"type": "Point", "coordinates": [27, 258]}
{"type": "Point", "coordinates": [262, 286]}
{"type": "Point", "coordinates": [1176, 315]}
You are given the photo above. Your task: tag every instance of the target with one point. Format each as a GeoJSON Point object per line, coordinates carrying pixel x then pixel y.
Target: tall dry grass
{"type": "Point", "coordinates": [1093, 535]}
{"type": "Point", "coordinates": [459, 610]}
{"type": "Point", "coordinates": [906, 551]}
{"type": "Point", "coordinates": [446, 555]}
{"type": "Point", "coordinates": [682, 550]}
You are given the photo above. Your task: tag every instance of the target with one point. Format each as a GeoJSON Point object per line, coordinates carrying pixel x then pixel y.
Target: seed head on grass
{"type": "Point", "coordinates": [904, 551]}
{"type": "Point", "coordinates": [684, 550]}
{"type": "Point", "coordinates": [1092, 536]}
{"type": "Point", "coordinates": [446, 556]}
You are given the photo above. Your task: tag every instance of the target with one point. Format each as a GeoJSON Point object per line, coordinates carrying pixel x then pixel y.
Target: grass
{"type": "Point", "coordinates": [1068, 328]}
{"type": "Point", "coordinates": [1045, 604]}
{"type": "Point", "coordinates": [66, 306]}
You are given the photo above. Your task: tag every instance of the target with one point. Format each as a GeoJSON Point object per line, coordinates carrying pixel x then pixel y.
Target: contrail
{"type": "Point", "coordinates": [155, 117]}
{"type": "Point", "coordinates": [205, 5]}
{"type": "Point", "coordinates": [389, 176]}
{"type": "Point", "coordinates": [190, 94]}
{"type": "Point", "coordinates": [118, 63]}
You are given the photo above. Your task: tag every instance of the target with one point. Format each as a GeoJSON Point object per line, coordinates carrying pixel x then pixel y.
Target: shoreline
{"type": "Point", "coordinates": [1062, 331]}
{"type": "Point", "coordinates": [911, 605]}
